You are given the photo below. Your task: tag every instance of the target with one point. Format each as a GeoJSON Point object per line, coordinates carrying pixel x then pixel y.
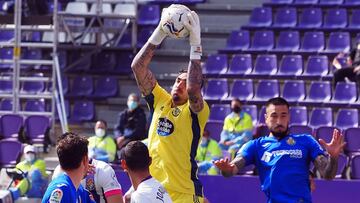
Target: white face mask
{"type": "Point", "coordinates": [100, 132]}
{"type": "Point", "coordinates": [29, 157]}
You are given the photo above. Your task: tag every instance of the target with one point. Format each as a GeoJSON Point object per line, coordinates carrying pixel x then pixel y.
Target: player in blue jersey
{"type": "Point", "coordinates": [283, 159]}
{"type": "Point", "coordinates": [72, 151]}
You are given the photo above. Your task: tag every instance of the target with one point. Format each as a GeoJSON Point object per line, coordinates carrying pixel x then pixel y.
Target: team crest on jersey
{"type": "Point", "coordinates": [90, 185]}
{"type": "Point", "coordinates": [164, 127]}
{"type": "Point", "coordinates": [56, 196]}
{"type": "Point", "coordinates": [161, 108]}
{"type": "Point", "coordinates": [290, 141]}
{"type": "Point", "coordinates": [175, 112]}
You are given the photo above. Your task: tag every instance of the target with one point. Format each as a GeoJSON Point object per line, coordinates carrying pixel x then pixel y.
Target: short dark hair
{"type": "Point", "coordinates": [71, 149]}
{"type": "Point", "coordinates": [136, 155]}
{"type": "Point", "coordinates": [277, 101]}
{"type": "Point", "coordinates": [102, 121]}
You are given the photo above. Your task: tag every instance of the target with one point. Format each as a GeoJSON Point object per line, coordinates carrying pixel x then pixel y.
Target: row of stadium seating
{"type": "Point", "coordinates": [321, 3]}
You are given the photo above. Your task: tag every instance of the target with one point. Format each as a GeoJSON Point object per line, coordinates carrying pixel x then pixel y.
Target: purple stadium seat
{"type": "Point", "coordinates": [260, 17]}
{"type": "Point", "coordinates": [352, 138]}
{"type": "Point", "coordinates": [342, 163]}
{"type": "Point", "coordinates": [347, 118]}
{"type": "Point", "coordinates": [106, 87]}
{"type": "Point", "coordinates": [241, 64]}
{"type": "Point", "coordinates": [6, 105]}
{"type": "Point", "coordinates": [6, 86]}
{"type": "Point", "coordinates": [352, 2]}
{"type": "Point", "coordinates": [276, 2]}
{"type": "Point", "coordinates": [265, 65]}
{"type": "Point", "coordinates": [82, 65]}
{"type": "Point", "coordinates": [267, 89]}
{"type": "Point", "coordinates": [317, 66]}
{"type": "Point", "coordinates": [305, 2]}
{"type": "Point", "coordinates": [335, 18]}
{"type": "Point", "coordinates": [345, 93]}
{"type": "Point", "coordinates": [6, 35]}
{"type": "Point", "coordinates": [321, 117]}
{"type": "Point", "coordinates": [252, 111]}
{"type": "Point", "coordinates": [5, 53]}
{"type": "Point", "coordinates": [325, 133]}
{"type": "Point", "coordinates": [262, 41]}
{"type": "Point", "coordinates": [338, 42]}
{"type": "Point", "coordinates": [298, 115]}
{"type": "Point", "coordinates": [35, 105]}
{"type": "Point", "coordinates": [355, 20]}
{"type": "Point", "coordinates": [82, 86]}
{"type": "Point", "coordinates": [310, 18]}
{"type": "Point", "coordinates": [103, 62]}
{"type": "Point", "coordinates": [215, 128]}
{"type": "Point", "coordinates": [33, 87]}
{"type": "Point", "coordinates": [218, 112]}
{"type": "Point", "coordinates": [262, 115]}
{"type": "Point", "coordinates": [11, 126]}
{"type": "Point", "coordinates": [125, 41]}
{"type": "Point", "coordinates": [149, 15]}
{"type": "Point", "coordinates": [300, 129]}
{"type": "Point", "coordinates": [355, 166]}
{"type": "Point", "coordinates": [32, 54]}
{"type": "Point", "coordinates": [83, 111]}
{"type": "Point", "coordinates": [242, 89]}
{"type": "Point", "coordinates": [10, 153]}
{"type": "Point", "coordinates": [285, 17]}
{"type": "Point", "coordinates": [237, 41]}
{"type": "Point", "coordinates": [331, 2]}
{"type": "Point", "coordinates": [313, 42]}
{"type": "Point", "coordinates": [291, 65]}
{"type": "Point", "coordinates": [216, 64]}
{"type": "Point", "coordinates": [294, 90]}
{"type": "Point", "coordinates": [288, 41]}
{"type": "Point", "coordinates": [123, 63]}
{"type": "Point", "coordinates": [143, 35]}
{"type": "Point", "coordinates": [37, 130]}
{"type": "Point", "coordinates": [217, 89]}
{"type": "Point", "coordinates": [319, 92]}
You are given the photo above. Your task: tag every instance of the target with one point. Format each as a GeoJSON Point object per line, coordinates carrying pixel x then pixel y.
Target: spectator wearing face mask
{"type": "Point", "coordinates": [207, 152]}
{"type": "Point", "coordinates": [101, 146]}
{"type": "Point", "coordinates": [237, 129]}
{"type": "Point", "coordinates": [131, 125]}
{"type": "Point", "coordinates": [35, 178]}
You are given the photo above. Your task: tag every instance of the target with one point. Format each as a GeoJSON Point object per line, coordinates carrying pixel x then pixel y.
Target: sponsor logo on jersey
{"type": "Point", "coordinates": [56, 196]}
{"type": "Point", "coordinates": [164, 127]}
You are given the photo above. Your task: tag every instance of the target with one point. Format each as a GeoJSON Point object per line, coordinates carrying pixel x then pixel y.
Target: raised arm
{"type": "Point", "coordinates": [327, 166]}
{"type": "Point", "coordinates": [195, 78]}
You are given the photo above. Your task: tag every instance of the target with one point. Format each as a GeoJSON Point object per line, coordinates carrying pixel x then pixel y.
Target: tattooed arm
{"type": "Point", "coordinates": [140, 66]}
{"type": "Point", "coordinates": [194, 81]}
{"type": "Point", "coordinates": [326, 166]}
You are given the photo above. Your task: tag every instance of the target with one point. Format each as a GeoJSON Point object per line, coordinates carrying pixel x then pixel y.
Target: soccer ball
{"type": "Point", "coordinates": [172, 21]}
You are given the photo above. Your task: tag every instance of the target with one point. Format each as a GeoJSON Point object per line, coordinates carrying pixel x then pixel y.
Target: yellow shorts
{"type": "Point", "coordinates": [177, 197]}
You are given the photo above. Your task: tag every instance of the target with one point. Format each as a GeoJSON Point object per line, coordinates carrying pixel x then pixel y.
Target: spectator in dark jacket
{"type": "Point", "coordinates": [348, 68]}
{"type": "Point", "coordinates": [132, 123]}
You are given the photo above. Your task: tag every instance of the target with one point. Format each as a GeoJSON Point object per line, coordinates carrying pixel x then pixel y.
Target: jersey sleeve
{"type": "Point", "coordinates": [203, 115]}
{"type": "Point", "coordinates": [157, 96]}
{"type": "Point", "coordinates": [60, 195]}
{"type": "Point", "coordinates": [109, 182]}
{"type": "Point", "coordinates": [314, 147]}
{"type": "Point", "coordinates": [248, 152]}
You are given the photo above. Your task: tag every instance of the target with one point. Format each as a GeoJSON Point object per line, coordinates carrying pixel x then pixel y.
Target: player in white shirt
{"type": "Point", "coordinates": [102, 182]}
{"type": "Point", "coordinates": [135, 160]}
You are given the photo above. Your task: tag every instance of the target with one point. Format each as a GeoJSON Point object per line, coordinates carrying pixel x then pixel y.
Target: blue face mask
{"type": "Point", "coordinates": [132, 105]}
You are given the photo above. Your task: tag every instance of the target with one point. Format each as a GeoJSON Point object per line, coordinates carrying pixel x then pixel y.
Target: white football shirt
{"type": "Point", "coordinates": [150, 191]}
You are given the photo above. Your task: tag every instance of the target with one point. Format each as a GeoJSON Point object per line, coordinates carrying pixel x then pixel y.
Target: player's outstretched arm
{"type": "Point", "coordinates": [328, 166]}
{"type": "Point", "coordinates": [229, 169]}
{"type": "Point", "coordinates": [195, 78]}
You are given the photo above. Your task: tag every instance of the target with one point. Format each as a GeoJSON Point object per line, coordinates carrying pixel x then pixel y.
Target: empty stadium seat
{"type": "Point", "coordinates": [33, 87]}
{"type": "Point", "coordinates": [123, 63]}
{"type": "Point", "coordinates": [218, 112]}
{"type": "Point", "coordinates": [335, 18]}
{"type": "Point", "coordinates": [126, 9]}
{"type": "Point", "coordinates": [288, 41]}
{"type": "Point", "coordinates": [77, 8]}
{"type": "Point", "coordinates": [325, 133]}
{"type": "Point", "coordinates": [82, 86]}
{"type": "Point", "coordinates": [83, 111]}
{"type": "Point", "coordinates": [321, 117]}
{"type": "Point", "coordinates": [106, 87]}
{"type": "Point", "coordinates": [316, 67]}
{"type": "Point", "coordinates": [338, 42]}
{"type": "Point", "coordinates": [313, 42]}
{"type": "Point", "coordinates": [355, 20]}
{"type": "Point", "coordinates": [106, 9]}
{"type": "Point", "coordinates": [5, 53]}
{"type": "Point", "coordinates": [242, 89]}
{"type": "Point", "coordinates": [11, 125]}
{"type": "Point", "coordinates": [342, 163]}
{"type": "Point", "coordinates": [6, 35]}
{"type": "Point", "coordinates": [355, 165]}
{"type": "Point", "coordinates": [37, 105]}
{"type": "Point", "coordinates": [298, 115]}
{"type": "Point", "coordinates": [10, 153]}
{"type": "Point", "coordinates": [345, 93]}
{"type": "Point", "coordinates": [300, 129]}
{"type": "Point", "coordinates": [347, 118]}
{"type": "Point", "coordinates": [267, 89]}
{"type": "Point", "coordinates": [294, 91]}
{"type": "Point", "coordinates": [352, 139]}
{"type": "Point", "coordinates": [291, 65]}
{"type": "Point", "coordinates": [6, 86]}
{"type": "Point", "coordinates": [37, 130]}
{"type": "Point", "coordinates": [330, 2]}
{"type": "Point", "coordinates": [82, 65]}
{"type": "Point", "coordinates": [240, 65]}
{"type": "Point", "coordinates": [252, 111]}
{"type": "Point", "coordinates": [237, 41]}
{"type": "Point", "coordinates": [319, 92]}
{"type": "Point", "coordinates": [305, 2]}
{"type": "Point", "coordinates": [6, 105]}
{"type": "Point", "coordinates": [262, 41]}
{"type": "Point", "coordinates": [352, 2]}
{"type": "Point", "coordinates": [215, 128]}
{"type": "Point", "coordinates": [103, 62]}
{"type": "Point", "coordinates": [310, 18]}
{"type": "Point", "coordinates": [260, 17]}
{"type": "Point", "coordinates": [265, 65]}
{"type": "Point", "coordinates": [285, 17]}
{"type": "Point", "coordinates": [216, 64]}
{"type": "Point", "coordinates": [149, 15]}
{"type": "Point", "coordinates": [217, 89]}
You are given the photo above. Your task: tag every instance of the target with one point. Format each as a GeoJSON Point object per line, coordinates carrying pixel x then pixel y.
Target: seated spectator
{"type": "Point", "coordinates": [102, 146]}
{"type": "Point", "coordinates": [34, 183]}
{"type": "Point", "coordinates": [349, 70]}
{"type": "Point", "coordinates": [207, 152]}
{"type": "Point", "coordinates": [237, 129]}
{"type": "Point", "coordinates": [132, 123]}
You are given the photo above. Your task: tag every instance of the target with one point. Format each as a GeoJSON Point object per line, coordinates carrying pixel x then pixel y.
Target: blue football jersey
{"type": "Point", "coordinates": [61, 190]}
{"type": "Point", "coordinates": [283, 165]}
